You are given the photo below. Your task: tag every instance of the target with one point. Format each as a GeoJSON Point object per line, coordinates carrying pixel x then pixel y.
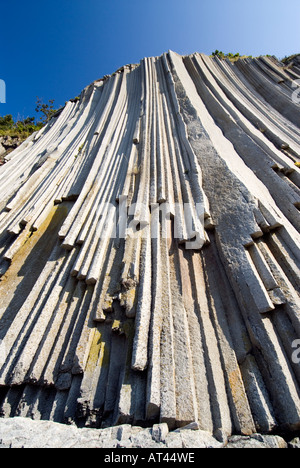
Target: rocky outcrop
{"type": "Point", "coordinates": [150, 253]}
{"type": "Point", "coordinates": [25, 433]}
{"type": "Point", "coordinates": [293, 62]}
{"type": "Point", "coordinates": [7, 145]}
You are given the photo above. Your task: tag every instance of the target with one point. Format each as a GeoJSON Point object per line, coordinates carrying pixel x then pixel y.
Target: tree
{"type": "Point", "coordinates": [47, 110]}
{"type": "Point", "coordinates": [6, 122]}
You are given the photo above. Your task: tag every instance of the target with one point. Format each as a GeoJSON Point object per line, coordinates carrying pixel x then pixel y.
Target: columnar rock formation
{"type": "Point", "coordinates": [150, 252]}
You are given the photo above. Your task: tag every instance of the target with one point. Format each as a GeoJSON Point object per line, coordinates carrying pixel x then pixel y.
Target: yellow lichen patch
{"type": "Point", "coordinates": [234, 378]}
{"type": "Point", "coordinates": [30, 258]}
{"type": "Point", "coordinates": [130, 295]}
{"type": "Point", "coordinates": [124, 327]}
{"type": "Point", "coordinates": [98, 354]}
{"type": "Point", "coordinates": [116, 325]}
{"type": "Point", "coordinates": [297, 163]}
{"type": "Point", "coordinates": [107, 305]}
{"type": "Point", "coordinates": [240, 402]}
{"type": "Point", "coordinates": [127, 300]}
{"type": "Point", "coordinates": [94, 351]}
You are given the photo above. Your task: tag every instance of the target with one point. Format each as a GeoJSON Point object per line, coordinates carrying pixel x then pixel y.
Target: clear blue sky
{"type": "Point", "coordinates": [53, 49]}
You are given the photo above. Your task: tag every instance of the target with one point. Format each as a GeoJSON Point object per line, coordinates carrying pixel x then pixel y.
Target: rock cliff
{"type": "Point", "coordinates": [149, 242]}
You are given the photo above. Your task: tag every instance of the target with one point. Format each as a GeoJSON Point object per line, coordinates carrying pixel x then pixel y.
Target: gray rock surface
{"type": "Point", "coordinates": [150, 256]}
{"type": "Point", "coordinates": [26, 433]}
{"type": "Point", "coordinates": [257, 441]}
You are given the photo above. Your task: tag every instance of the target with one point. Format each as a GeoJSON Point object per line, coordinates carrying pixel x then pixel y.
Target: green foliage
{"type": "Point", "coordinates": [218, 53]}
{"type": "Point", "coordinates": [230, 56]}
{"type": "Point", "coordinates": [47, 110]}
{"type": "Point", "coordinates": [287, 60]}
{"type": "Point", "coordinates": [6, 122]}
{"type": "Point", "coordinates": [23, 128]}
